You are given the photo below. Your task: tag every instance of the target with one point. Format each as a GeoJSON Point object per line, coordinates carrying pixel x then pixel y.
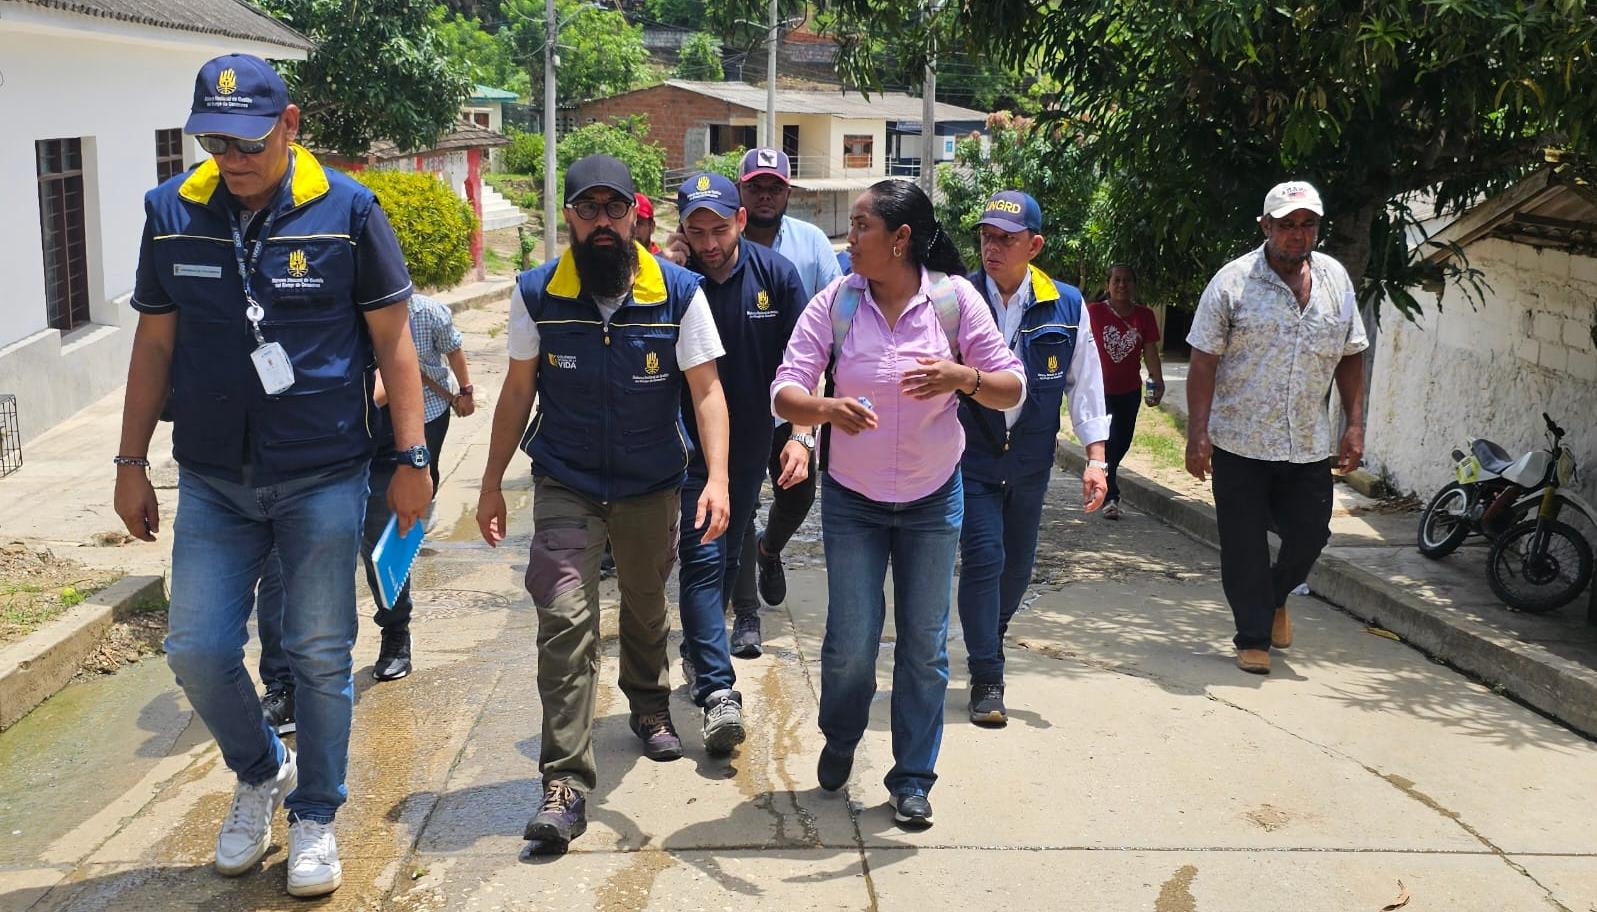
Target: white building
{"type": "Point", "coordinates": [94, 94]}
{"type": "Point", "coordinates": [1490, 369]}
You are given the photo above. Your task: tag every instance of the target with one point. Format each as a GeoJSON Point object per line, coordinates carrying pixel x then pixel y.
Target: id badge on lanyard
{"type": "Point", "coordinates": [271, 361]}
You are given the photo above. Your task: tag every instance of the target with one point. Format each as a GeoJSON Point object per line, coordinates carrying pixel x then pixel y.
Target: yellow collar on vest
{"type": "Point", "coordinates": [648, 282]}
{"type": "Point", "coordinates": [308, 183]}
{"type": "Point", "coordinates": [1043, 288]}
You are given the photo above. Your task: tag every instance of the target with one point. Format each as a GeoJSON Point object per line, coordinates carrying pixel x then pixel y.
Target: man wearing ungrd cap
{"type": "Point", "coordinates": [607, 339]}
{"type": "Point", "coordinates": [266, 287]}
{"type": "Point", "coordinates": [1274, 328]}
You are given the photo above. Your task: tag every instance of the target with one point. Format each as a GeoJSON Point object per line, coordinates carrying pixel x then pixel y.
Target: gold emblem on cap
{"type": "Point", "coordinates": [226, 82]}
{"type": "Point", "coordinates": [763, 300]}
{"type": "Point", "coordinates": [297, 267]}
{"type": "Point", "coordinates": [651, 363]}
{"type": "Point", "coordinates": [704, 183]}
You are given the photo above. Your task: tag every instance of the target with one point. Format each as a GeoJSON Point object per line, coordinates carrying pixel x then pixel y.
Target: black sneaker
{"type": "Point", "coordinates": [746, 636]}
{"type": "Point", "coordinates": [987, 705]}
{"type": "Point", "coordinates": [912, 811]}
{"type": "Point", "coordinates": [393, 658]}
{"type": "Point", "coordinates": [772, 578]}
{"type": "Point", "coordinates": [723, 721]}
{"type": "Point", "coordinates": [562, 818]}
{"type": "Point", "coordinates": [833, 768]}
{"type": "Point", "coordinates": [278, 707]}
{"type": "Point", "coordinates": [659, 736]}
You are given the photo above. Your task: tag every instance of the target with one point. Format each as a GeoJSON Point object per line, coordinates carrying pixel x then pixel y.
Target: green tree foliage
{"type": "Point", "coordinates": [600, 54]}
{"type": "Point", "coordinates": [681, 13]}
{"type": "Point", "coordinates": [524, 155]}
{"type": "Point", "coordinates": [485, 57]}
{"type": "Point", "coordinates": [626, 139]}
{"type": "Point", "coordinates": [1195, 109]}
{"type": "Point", "coordinates": [378, 72]}
{"type": "Point", "coordinates": [434, 225]}
{"type": "Point", "coordinates": [699, 58]}
{"type": "Point", "coordinates": [728, 164]}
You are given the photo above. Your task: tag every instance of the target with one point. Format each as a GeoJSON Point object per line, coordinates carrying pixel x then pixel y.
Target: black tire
{"type": "Point", "coordinates": [1442, 525]}
{"type": "Point", "coordinates": [1539, 582]}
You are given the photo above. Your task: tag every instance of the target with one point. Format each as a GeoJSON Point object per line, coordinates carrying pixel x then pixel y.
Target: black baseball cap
{"type": "Point", "coordinates": [599, 171]}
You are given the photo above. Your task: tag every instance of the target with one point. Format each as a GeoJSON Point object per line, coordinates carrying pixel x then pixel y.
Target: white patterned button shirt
{"type": "Point", "coordinates": [432, 328]}
{"type": "Point", "coordinates": [1277, 363]}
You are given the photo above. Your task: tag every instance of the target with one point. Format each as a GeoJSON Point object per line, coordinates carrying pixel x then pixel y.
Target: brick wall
{"type": "Point", "coordinates": [672, 113]}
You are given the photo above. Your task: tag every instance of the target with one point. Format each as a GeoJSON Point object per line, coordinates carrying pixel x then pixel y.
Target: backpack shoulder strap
{"type": "Point", "coordinates": [844, 305]}
{"type": "Point", "coordinates": [945, 300]}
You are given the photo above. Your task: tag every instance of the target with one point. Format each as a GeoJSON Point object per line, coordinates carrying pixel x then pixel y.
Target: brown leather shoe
{"type": "Point", "coordinates": [1281, 629]}
{"type": "Point", "coordinates": [1254, 661]}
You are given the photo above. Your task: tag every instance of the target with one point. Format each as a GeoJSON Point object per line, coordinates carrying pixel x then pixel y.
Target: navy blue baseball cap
{"type": "Point", "coordinates": [765, 161]}
{"type": "Point", "coordinates": [708, 191]}
{"type": "Point", "coordinates": [237, 95]}
{"type": "Point", "coordinates": [1011, 210]}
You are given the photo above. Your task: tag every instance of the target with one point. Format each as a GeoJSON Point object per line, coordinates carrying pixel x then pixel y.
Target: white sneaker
{"type": "Point", "coordinates": [247, 830]}
{"type": "Point", "coordinates": [313, 867]}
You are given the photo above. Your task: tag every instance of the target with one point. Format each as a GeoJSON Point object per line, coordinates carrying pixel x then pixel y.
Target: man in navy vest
{"type": "Point", "coordinates": [605, 338]}
{"type": "Point", "coordinates": [755, 296]}
{"type": "Point", "coordinates": [266, 286]}
{"type": "Point", "coordinates": [1009, 455]}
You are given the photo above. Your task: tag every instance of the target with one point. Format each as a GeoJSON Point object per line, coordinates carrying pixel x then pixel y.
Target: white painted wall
{"type": "Point", "coordinates": [73, 76]}
{"type": "Point", "coordinates": [1488, 372]}
{"type": "Point", "coordinates": [846, 126]}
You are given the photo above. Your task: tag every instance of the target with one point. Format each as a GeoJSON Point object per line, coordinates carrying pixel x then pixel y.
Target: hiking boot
{"type": "Point", "coordinates": [987, 705]}
{"type": "Point", "coordinates": [746, 636]}
{"type": "Point", "coordinates": [1281, 629]}
{"type": "Point", "coordinates": [833, 768]}
{"type": "Point", "coordinates": [247, 829]}
{"type": "Point", "coordinates": [772, 579]}
{"type": "Point", "coordinates": [562, 818]}
{"type": "Point", "coordinates": [1254, 661]}
{"type": "Point", "coordinates": [393, 658]}
{"type": "Point", "coordinates": [912, 811]}
{"type": "Point", "coordinates": [659, 736]}
{"type": "Point", "coordinates": [723, 721]}
{"type": "Point", "coordinates": [278, 707]}
{"type": "Point", "coordinates": [313, 866]}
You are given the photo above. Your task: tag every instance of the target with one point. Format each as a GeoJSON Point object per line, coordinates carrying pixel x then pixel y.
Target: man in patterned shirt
{"type": "Point", "coordinates": [1272, 330]}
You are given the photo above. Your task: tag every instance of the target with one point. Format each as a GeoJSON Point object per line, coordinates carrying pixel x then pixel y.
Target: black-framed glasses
{"type": "Point", "coordinates": [589, 209]}
{"type": "Point", "coordinates": [217, 144]}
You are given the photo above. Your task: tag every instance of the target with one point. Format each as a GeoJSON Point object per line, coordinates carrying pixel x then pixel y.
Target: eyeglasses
{"type": "Point", "coordinates": [589, 209]}
{"type": "Point", "coordinates": [217, 145]}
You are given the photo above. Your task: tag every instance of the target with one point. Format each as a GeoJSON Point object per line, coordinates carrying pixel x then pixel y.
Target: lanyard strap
{"type": "Point", "coordinates": [247, 263]}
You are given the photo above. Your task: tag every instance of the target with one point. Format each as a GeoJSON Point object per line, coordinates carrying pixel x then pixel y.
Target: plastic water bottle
{"type": "Point", "coordinates": [866, 402]}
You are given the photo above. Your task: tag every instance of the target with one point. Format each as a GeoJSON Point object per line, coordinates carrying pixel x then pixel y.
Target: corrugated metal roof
{"type": "Point", "coordinates": [832, 184]}
{"type": "Point", "coordinates": [228, 18]}
{"type": "Point", "coordinates": [1554, 206]}
{"type": "Point", "coordinates": [488, 93]}
{"type": "Point", "coordinates": [464, 135]}
{"type": "Point", "coordinates": [885, 106]}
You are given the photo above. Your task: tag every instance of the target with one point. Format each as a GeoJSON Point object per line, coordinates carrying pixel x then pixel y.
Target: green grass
{"type": "Point", "coordinates": [1161, 435]}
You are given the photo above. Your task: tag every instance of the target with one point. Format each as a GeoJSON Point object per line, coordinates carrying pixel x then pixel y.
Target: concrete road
{"type": "Point", "coordinates": [1141, 770]}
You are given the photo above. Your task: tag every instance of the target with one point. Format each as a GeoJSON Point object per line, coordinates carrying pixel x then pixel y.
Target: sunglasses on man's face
{"type": "Point", "coordinates": [587, 209]}
{"type": "Point", "coordinates": [217, 145]}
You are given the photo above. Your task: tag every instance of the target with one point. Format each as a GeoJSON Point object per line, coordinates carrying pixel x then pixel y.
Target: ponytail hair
{"type": "Point", "coordinates": [900, 202]}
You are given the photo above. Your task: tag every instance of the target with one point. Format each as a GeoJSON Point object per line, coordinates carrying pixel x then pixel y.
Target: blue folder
{"type": "Point", "coordinates": [392, 558]}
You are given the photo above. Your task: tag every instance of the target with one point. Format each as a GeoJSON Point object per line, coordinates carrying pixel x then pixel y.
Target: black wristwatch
{"type": "Point", "coordinates": [807, 439]}
{"type": "Point", "coordinates": [417, 457]}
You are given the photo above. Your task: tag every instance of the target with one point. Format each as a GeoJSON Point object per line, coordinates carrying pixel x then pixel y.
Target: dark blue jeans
{"type": "Point", "coordinates": [707, 576]}
{"type": "Point", "coordinates": [861, 537]}
{"type": "Point", "coordinates": [997, 550]}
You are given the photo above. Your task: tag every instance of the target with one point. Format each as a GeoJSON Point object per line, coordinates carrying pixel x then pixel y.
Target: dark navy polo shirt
{"type": "Point", "coordinates": [755, 310]}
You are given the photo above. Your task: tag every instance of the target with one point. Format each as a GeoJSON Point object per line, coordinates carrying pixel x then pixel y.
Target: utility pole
{"type": "Point", "coordinates": [772, 41]}
{"type": "Point", "coordinates": [550, 227]}
{"type": "Point", "coordinates": [928, 117]}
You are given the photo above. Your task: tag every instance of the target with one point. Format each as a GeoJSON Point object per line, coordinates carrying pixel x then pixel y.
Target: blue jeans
{"type": "Point", "coordinates": [222, 536]}
{"type": "Point", "coordinates": [707, 577]}
{"type": "Point", "coordinates": [996, 552]}
{"type": "Point", "coordinates": [861, 536]}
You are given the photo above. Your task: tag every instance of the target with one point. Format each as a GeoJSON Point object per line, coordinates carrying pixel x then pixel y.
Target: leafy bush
{"type": "Point", "coordinates": [433, 224]}
{"type": "Point", "coordinates": [700, 58]}
{"type": "Point", "coordinates": [726, 163]}
{"type": "Point", "coordinates": [627, 139]}
{"type": "Point", "coordinates": [524, 155]}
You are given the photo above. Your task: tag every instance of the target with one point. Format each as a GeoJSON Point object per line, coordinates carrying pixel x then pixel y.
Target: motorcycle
{"type": "Point", "coordinates": [1483, 500]}
{"type": "Point", "coordinates": [1540, 563]}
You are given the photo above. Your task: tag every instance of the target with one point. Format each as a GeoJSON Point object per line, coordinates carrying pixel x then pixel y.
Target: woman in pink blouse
{"type": "Point", "coordinates": [891, 490]}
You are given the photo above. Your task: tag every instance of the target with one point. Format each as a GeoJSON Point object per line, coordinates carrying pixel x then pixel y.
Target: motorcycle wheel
{"type": "Point", "coordinates": [1539, 565]}
{"type": "Point", "coordinates": [1443, 526]}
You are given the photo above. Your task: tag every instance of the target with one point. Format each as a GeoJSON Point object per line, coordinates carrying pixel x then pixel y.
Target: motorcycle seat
{"type": "Point", "coordinates": [1493, 458]}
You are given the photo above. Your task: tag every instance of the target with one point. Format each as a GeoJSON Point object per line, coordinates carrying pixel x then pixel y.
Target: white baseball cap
{"type": "Point", "coordinates": [1290, 197]}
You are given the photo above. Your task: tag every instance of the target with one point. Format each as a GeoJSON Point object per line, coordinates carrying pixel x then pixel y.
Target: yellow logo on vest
{"type": "Point", "coordinates": [226, 82]}
{"type": "Point", "coordinates": [297, 267]}
{"type": "Point", "coordinates": [1053, 364]}
{"type": "Point", "coordinates": [763, 300]}
{"type": "Point", "coordinates": [563, 362]}
{"type": "Point", "coordinates": [651, 364]}
{"type": "Point", "coordinates": [703, 184]}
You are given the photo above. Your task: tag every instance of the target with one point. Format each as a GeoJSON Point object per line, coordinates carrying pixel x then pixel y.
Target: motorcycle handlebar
{"type": "Point", "coordinates": [1552, 425]}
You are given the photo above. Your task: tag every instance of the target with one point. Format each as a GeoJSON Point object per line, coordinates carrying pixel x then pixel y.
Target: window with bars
{"type": "Point", "coordinates": [858, 151]}
{"type": "Point", "coordinates": [168, 153]}
{"type": "Point", "coordinates": [61, 222]}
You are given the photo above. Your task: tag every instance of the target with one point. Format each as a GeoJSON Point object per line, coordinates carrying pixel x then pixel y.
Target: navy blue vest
{"type": "Point", "coordinates": [608, 424]}
{"type": "Point", "coordinates": [1045, 345]}
{"type": "Point", "coordinates": [221, 417]}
